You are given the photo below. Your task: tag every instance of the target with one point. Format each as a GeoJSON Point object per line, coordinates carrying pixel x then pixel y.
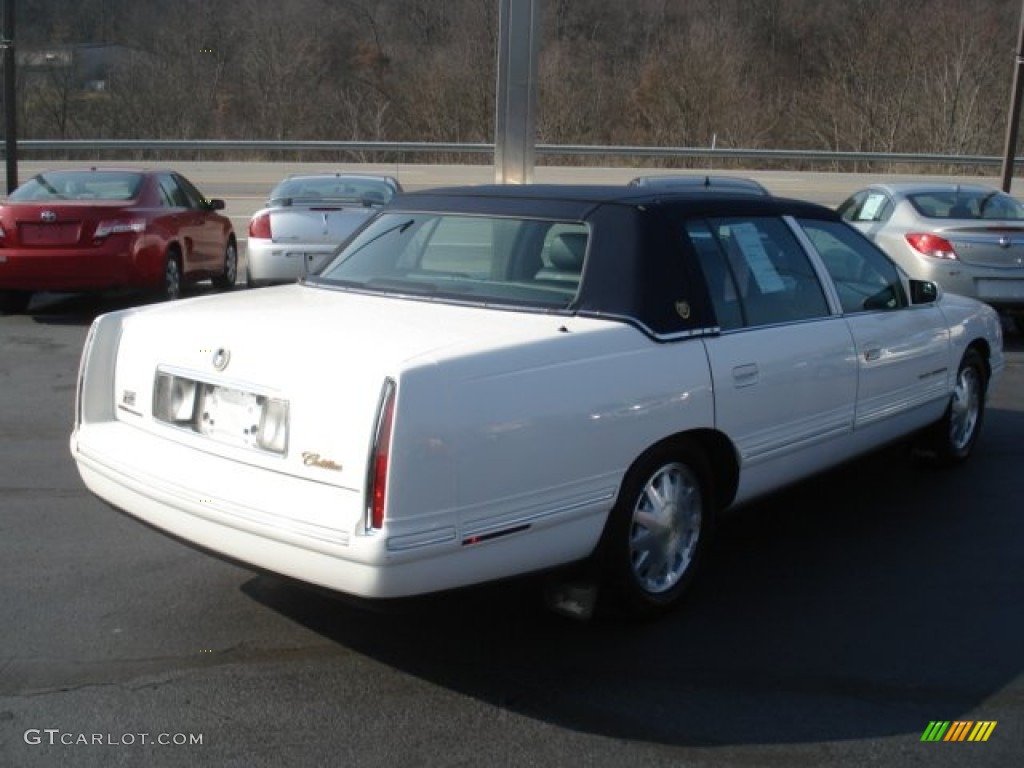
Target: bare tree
{"type": "Point", "coordinates": [870, 75]}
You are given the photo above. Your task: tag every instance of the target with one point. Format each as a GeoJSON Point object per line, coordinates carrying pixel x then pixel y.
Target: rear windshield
{"type": "Point", "coordinates": [474, 259]}
{"type": "Point", "coordinates": [332, 188]}
{"type": "Point", "coordinates": [967, 204]}
{"type": "Point", "coordinates": [79, 185]}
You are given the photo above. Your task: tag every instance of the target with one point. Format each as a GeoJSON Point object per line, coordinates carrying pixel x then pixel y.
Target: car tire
{"type": "Point", "coordinates": [657, 532]}
{"type": "Point", "coordinates": [225, 281]}
{"type": "Point", "coordinates": [14, 302]}
{"type": "Point", "coordinates": [951, 440]}
{"type": "Point", "coordinates": [173, 285]}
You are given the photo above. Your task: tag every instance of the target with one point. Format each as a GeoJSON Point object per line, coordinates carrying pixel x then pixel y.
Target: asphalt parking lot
{"type": "Point", "coordinates": [834, 623]}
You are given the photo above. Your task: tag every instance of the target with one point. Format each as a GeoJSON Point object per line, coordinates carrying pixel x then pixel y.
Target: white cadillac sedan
{"type": "Point", "coordinates": [491, 381]}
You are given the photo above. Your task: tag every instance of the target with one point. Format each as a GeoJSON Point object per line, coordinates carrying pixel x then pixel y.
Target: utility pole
{"type": "Point", "coordinates": [10, 98]}
{"type": "Point", "coordinates": [1014, 120]}
{"type": "Point", "coordinates": [514, 125]}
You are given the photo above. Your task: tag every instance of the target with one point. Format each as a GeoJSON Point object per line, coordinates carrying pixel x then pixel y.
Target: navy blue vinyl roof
{"type": "Point", "coordinates": [640, 266]}
{"type": "Point", "coordinates": [577, 201]}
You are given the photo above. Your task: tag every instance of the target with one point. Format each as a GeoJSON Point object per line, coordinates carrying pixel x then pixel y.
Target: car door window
{"type": "Point", "coordinates": [173, 193]}
{"type": "Point", "coordinates": [869, 205]}
{"type": "Point", "coordinates": [864, 277]}
{"type": "Point", "coordinates": [194, 196]}
{"type": "Point", "coordinates": [757, 272]}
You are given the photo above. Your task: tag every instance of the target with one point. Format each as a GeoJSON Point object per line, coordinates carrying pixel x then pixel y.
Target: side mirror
{"type": "Point", "coordinates": [216, 204]}
{"type": "Point", "coordinates": [923, 292]}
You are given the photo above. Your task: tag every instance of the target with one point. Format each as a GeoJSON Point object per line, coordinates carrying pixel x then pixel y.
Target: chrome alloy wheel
{"type": "Point", "coordinates": [666, 528]}
{"type": "Point", "coordinates": [965, 408]}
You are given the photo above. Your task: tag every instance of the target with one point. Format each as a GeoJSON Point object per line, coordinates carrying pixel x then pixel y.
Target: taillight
{"type": "Point", "coordinates": [259, 226]}
{"type": "Point", "coordinates": [377, 471]}
{"type": "Point", "coordinates": [931, 245]}
{"type": "Point", "coordinates": [119, 226]}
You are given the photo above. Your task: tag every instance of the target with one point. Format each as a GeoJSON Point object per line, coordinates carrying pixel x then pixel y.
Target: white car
{"type": "Point", "coordinates": [305, 219]}
{"type": "Point", "coordinates": [492, 381]}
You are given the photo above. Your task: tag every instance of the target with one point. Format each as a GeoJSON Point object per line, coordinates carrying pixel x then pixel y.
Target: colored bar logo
{"type": "Point", "coordinates": [958, 730]}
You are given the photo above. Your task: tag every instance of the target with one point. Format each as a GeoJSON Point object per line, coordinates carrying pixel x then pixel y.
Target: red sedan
{"type": "Point", "coordinates": [97, 229]}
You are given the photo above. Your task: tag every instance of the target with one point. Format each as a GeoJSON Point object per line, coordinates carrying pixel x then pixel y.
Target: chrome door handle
{"type": "Point", "coordinates": [872, 353]}
{"type": "Point", "coordinates": [745, 375]}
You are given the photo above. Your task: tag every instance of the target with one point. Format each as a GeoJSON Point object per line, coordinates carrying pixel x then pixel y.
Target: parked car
{"type": "Point", "coordinates": [968, 238]}
{"type": "Point", "coordinates": [490, 381]}
{"type": "Point", "coordinates": [103, 228]}
{"type": "Point", "coordinates": [305, 219]}
{"type": "Point", "coordinates": [706, 182]}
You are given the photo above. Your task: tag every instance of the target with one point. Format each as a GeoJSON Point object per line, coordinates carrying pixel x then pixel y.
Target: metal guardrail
{"type": "Point", "coordinates": [129, 145]}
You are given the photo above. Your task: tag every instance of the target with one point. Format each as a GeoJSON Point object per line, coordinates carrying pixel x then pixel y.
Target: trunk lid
{"type": "Point", "coordinates": [997, 244]}
{"type": "Point", "coordinates": [57, 224]}
{"type": "Point", "coordinates": [325, 353]}
{"type": "Point", "coordinates": [326, 223]}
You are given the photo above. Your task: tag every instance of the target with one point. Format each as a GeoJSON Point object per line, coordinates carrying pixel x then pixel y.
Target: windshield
{"type": "Point", "coordinates": [79, 185]}
{"type": "Point", "coordinates": [968, 204]}
{"type": "Point", "coordinates": [477, 259]}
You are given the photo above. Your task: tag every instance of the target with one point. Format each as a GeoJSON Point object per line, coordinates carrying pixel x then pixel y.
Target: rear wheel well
{"type": "Point", "coordinates": [720, 454]}
{"type": "Point", "coordinates": [174, 250]}
{"type": "Point", "coordinates": [659, 527]}
{"type": "Point", "coordinates": [722, 461]}
{"type": "Point", "coordinates": [982, 348]}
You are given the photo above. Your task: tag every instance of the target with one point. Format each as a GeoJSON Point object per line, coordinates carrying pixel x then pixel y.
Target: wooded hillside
{"type": "Point", "coordinates": [919, 76]}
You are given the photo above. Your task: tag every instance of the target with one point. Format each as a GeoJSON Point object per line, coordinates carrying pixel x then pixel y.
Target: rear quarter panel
{"type": "Point", "coordinates": [541, 432]}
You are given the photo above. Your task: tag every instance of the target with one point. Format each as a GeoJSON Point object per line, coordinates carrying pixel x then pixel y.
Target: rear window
{"type": "Point", "coordinates": [342, 188]}
{"type": "Point", "coordinates": [475, 259]}
{"type": "Point", "coordinates": [79, 185]}
{"type": "Point", "coordinates": [967, 204]}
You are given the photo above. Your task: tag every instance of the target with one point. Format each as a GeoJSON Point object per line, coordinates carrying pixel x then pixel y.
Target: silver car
{"type": "Point", "coordinates": [306, 218]}
{"type": "Point", "coordinates": [700, 183]}
{"type": "Point", "coordinates": [968, 238]}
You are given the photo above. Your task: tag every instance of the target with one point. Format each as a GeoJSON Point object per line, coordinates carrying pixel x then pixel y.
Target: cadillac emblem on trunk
{"type": "Point", "coordinates": [221, 358]}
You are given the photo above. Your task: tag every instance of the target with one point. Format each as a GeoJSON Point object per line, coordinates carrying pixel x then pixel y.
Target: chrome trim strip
{"type": "Point", "coordinates": [416, 540]}
{"type": "Point", "coordinates": [528, 519]}
{"type": "Point", "coordinates": [711, 330]}
{"type": "Point", "coordinates": [754, 454]}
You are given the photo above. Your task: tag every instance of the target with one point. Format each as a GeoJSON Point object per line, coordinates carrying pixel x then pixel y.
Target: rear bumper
{"type": "Point", "coordinates": [250, 515]}
{"type": "Point", "coordinates": [270, 262]}
{"type": "Point", "coordinates": [245, 513]}
{"type": "Point", "coordinates": [114, 266]}
{"type": "Point", "coordinates": [1006, 295]}
{"type": "Point", "coordinates": [1000, 288]}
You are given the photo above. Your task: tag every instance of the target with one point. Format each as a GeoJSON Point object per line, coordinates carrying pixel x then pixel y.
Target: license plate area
{"type": "Point", "coordinates": [229, 415]}
{"type": "Point", "coordinates": [995, 290]}
{"type": "Point", "coordinates": [60, 233]}
{"type": "Point", "coordinates": [224, 414]}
